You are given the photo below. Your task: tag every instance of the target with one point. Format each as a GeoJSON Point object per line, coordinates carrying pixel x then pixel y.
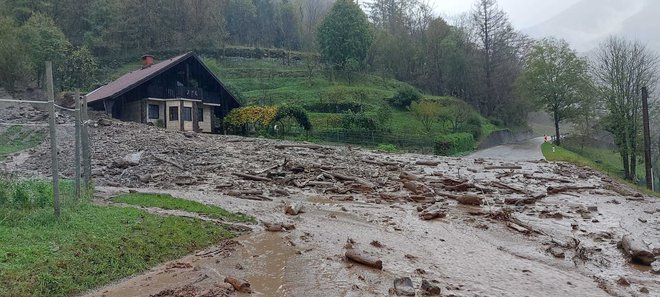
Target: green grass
{"type": "Point", "coordinates": [17, 138]}
{"type": "Point", "coordinates": [170, 203]}
{"type": "Point", "coordinates": [606, 161]}
{"type": "Point", "coordinates": [90, 246]}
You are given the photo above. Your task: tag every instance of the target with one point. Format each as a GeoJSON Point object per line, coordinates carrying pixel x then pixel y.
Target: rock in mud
{"type": "Point", "coordinates": [557, 252]}
{"type": "Point", "coordinates": [469, 199]}
{"type": "Point", "coordinates": [129, 160]}
{"type": "Point", "coordinates": [637, 250]}
{"type": "Point", "coordinates": [429, 289]}
{"type": "Point", "coordinates": [655, 267]}
{"type": "Point", "coordinates": [404, 287]}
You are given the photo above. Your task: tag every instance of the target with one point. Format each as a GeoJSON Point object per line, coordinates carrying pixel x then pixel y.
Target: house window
{"type": "Point", "coordinates": [154, 111]}
{"type": "Point", "coordinates": [174, 113]}
{"type": "Point", "coordinates": [200, 114]}
{"type": "Point", "coordinates": [187, 114]}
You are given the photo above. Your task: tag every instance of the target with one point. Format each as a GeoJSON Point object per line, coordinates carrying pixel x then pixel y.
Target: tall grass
{"type": "Point", "coordinates": [29, 194]}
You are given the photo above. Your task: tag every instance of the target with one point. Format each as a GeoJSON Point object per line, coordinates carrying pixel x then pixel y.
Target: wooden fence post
{"type": "Point", "coordinates": [53, 139]}
{"type": "Point", "coordinates": [84, 137]}
{"type": "Point", "coordinates": [77, 145]}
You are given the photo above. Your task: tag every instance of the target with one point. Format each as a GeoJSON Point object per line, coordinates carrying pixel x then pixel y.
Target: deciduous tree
{"type": "Point", "coordinates": [556, 79]}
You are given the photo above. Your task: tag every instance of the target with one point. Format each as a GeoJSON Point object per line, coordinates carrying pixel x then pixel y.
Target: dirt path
{"type": "Point", "coordinates": [529, 150]}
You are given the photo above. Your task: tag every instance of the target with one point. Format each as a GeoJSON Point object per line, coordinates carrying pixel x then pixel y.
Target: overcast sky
{"type": "Point", "coordinates": [523, 13]}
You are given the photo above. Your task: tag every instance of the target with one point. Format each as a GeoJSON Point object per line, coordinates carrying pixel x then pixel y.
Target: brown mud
{"type": "Point", "coordinates": [541, 229]}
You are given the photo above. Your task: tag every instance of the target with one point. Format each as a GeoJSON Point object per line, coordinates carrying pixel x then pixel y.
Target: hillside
{"type": "Point", "coordinates": [588, 22]}
{"type": "Point", "coordinates": [272, 82]}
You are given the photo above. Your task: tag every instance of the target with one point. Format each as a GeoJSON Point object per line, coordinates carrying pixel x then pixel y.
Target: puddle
{"type": "Point", "coordinates": [267, 254]}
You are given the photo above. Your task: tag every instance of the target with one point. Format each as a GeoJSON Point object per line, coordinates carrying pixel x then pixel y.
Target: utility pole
{"type": "Point", "coordinates": [647, 139]}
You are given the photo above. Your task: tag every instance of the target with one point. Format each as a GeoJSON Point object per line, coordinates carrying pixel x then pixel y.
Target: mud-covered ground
{"type": "Point", "coordinates": [537, 229]}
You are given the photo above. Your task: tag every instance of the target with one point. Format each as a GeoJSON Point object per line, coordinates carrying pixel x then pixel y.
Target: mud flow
{"type": "Point", "coordinates": [360, 222]}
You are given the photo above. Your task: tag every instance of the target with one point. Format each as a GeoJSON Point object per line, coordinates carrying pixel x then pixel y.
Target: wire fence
{"type": "Point", "coordinates": [82, 151]}
{"type": "Point", "coordinates": [369, 138]}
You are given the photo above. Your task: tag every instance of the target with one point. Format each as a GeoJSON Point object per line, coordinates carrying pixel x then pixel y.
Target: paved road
{"type": "Point", "coordinates": [529, 150]}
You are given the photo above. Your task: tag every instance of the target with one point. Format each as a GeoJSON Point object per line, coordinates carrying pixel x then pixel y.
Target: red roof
{"type": "Point", "coordinates": [133, 79]}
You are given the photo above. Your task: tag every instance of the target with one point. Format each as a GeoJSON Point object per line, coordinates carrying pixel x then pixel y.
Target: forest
{"type": "Point", "coordinates": [478, 57]}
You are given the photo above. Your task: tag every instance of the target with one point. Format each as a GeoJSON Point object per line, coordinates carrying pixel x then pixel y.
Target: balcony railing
{"type": "Point", "coordinates": [182, 92]}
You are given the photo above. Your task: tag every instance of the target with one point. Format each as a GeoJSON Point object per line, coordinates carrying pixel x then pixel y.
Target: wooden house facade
{"type": "Point", "coordinates": [180, 93]}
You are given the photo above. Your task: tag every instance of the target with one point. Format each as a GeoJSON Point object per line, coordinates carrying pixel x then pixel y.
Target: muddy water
{"type": "Point", "coordinates": [267, 255]}
{"type": "Point", "coordinates": [465, 254]}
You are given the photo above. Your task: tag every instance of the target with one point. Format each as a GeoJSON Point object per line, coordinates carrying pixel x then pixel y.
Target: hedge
{"type": "Point", "coordinates": [452, 144]}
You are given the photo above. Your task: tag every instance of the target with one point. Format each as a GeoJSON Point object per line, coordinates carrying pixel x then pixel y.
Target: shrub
{"type": "Point", "coordinates": [333, 107]}
{"type": "Point", "coordinates": [473, 126]}
{"type": "Point", "coordinates": [384, 116]}
{"type": "Point", "coordinates": [257, 116]}
{"type": "Point", "coordinates": [387, 148]}
{"type": "Point", "coordinates": [452, 144]}
{"type": "Point", "coordinates": [358, 121]}
{"type": "Point", "coordinates": [404, 98]}
{"type": "Point", "coordinates": [295, 112]}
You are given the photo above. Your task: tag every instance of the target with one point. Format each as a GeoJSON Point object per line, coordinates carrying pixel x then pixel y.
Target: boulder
{"type": "Point", "coordinates": [637, 250]}
{"type": "Point", "coordinates": [469, 199]}
{"type": "Point", "coordinates": [404, 287]}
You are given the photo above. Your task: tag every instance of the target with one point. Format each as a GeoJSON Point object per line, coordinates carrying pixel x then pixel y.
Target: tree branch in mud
{"type": "Point", "coordinates": [239, 285]}
{"type": "Point", "coordinates": [252, 177]}
{"type": "Point", "coordinates": [362, 258]}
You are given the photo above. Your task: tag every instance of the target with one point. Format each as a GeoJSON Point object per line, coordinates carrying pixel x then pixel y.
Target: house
{"type": "Point", "coordinates": [178, 94]}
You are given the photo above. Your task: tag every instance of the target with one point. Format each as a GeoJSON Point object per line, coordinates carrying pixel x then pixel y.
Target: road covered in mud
{"type": "Point", "coordinates": [464, 227]}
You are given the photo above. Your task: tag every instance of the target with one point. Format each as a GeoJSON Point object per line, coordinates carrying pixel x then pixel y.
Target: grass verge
{"type": "Point", "coordinates": [90, 246]}
{"type": "Point", "coordinates": [170, 203]}
{"type": "Point", "coordinates": [606, 163]}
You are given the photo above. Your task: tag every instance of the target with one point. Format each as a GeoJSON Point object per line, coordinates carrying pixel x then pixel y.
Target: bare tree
{"type": "Point", "coordinates": [495, 36]}
{"type": "Point", "coordinates": [621, 69]}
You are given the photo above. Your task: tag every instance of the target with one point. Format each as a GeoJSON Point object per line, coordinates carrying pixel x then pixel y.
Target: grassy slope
{"type": "Point", "coordinates": [270, 82]}
{"type": "Point", "coordinates": [18, 138]}
{"type": "Point", "coordinates": [168, 202]}
{"type": "Point", "coordinates": [602, 160]}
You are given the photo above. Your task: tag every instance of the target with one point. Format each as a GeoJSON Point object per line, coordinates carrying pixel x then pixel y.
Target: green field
{"type": "Point", "coordinates": [603, 160]}
{"type": "Point", "coordinates": [89, 246]}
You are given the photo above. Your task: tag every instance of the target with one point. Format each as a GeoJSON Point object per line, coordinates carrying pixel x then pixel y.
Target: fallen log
{"type": "Point", "coordinates": [512, 167]}
{"type": "Point", "coordinates": [278, 227]}
{"type": "Point", "coordinates": [427, 163]}
{"type": "Point", "coordinates": [355, 179]}
{"type": "Point", "coordinates": [637, 250]}
{"type": "Point", "coordinates": [362, 258]}
{"type": "Point", "coordinates": [464, 187]}
{"type": "Point", "coordinates": [559, 190]}
{"type": "Point", "coordinates": [550, 179]}
{"type": "Point", "coordinates": [319, 184]}
{"type": "Point", "coordinates": [508, 187]}
{"type": "Point", "coordinates": [251, 177]}
{"type": "Point", "coordinates": [380, 163]}
{"type": "Point", "coordinates": [308, 146]}
{"type": "Point", "coordinates": [177, 165]}
{"type": "Point", "coordinates": [294, 208]}
{"type": "Point", "coordinates": [342, 198]}
{"type": "Point", "coordinates": [239, 285]}
{"type": "Point", "coordinates": [518, 228]}
{"type": "Point", "coordinates": [246, 192]}
{"type": "Point", "coordinates": [254, 198]}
